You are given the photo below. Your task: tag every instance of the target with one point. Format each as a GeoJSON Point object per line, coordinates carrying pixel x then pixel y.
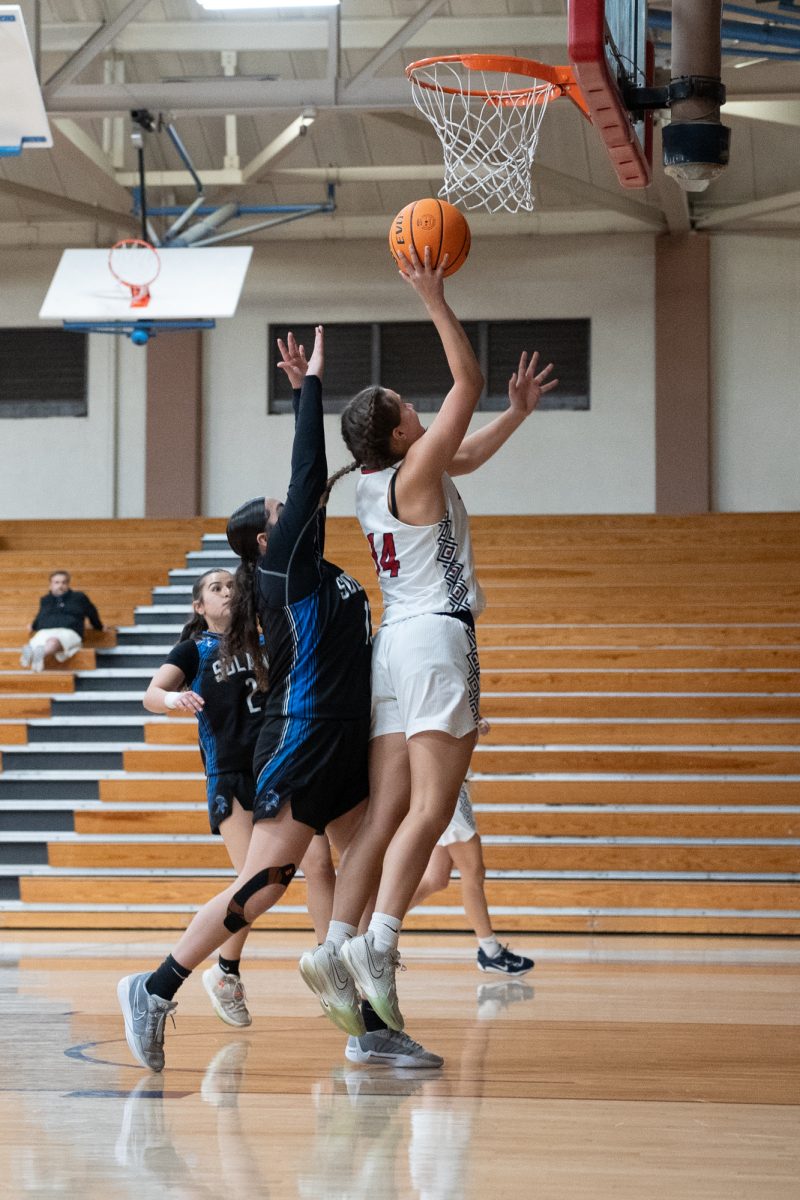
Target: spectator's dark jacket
{"type": "Point", "coordinates": [66, 612]}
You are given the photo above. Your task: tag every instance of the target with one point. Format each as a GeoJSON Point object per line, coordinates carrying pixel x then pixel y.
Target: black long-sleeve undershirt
{"type": "Point", "coordinates": [291, 567]}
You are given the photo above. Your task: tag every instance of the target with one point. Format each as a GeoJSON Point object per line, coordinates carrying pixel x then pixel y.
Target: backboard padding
{"type": "Point", "coordinates": [608, 47]}
{"type": "Point", "coordinates": [193, 284]}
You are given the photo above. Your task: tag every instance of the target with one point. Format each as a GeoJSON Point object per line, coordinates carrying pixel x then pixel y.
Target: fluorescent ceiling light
{"type": "Point", "coordinates": [218, 5]}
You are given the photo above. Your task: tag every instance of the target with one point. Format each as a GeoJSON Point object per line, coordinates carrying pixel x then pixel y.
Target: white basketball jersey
{"type": "Point", "coordinates": [421, 568]}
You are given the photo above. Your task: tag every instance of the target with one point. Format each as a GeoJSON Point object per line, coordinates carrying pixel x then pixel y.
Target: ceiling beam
{"type": "Point", "coordinates": [730, 214]}
{"type": "Point", "coordinates": [269, 33]}
{"type": "Point", "coordinates": [80, 208]}
{"type": "Point", "coordinates": [395, 43]}
{"type": "Point", "coordinates": [779, 112]}
{"type": "Point", "coordinates": [95, 45]}
{"type": "Point", "coordinates": [599, 197]}
{"type": "Point", "coordinates": [224, 95]}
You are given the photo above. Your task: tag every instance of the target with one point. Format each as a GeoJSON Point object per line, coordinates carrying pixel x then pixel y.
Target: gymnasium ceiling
{"type": "Point", "coordinates": [266, 69]}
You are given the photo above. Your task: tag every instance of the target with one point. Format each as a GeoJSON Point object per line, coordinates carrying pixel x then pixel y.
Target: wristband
{"type": "Point", "coordinates": [171, 699]}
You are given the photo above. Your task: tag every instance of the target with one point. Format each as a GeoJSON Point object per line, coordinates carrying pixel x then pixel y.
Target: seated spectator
{"type": "Point", "coordinates": [59, 624]}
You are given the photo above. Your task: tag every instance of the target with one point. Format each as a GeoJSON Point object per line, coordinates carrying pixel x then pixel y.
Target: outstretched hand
{"type": "Point", "coordinates": [526, 387]}
{"type": "Point", "coordinates": [316, 363]}
{"type": "Point", "coordinates": [293, 362]}
{"type": "Point", "coordinates": [427, 281]}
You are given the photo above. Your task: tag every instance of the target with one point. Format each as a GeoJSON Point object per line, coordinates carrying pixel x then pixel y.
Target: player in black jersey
{"type": "Point", "coordinates": [228, 707]}
{"type": "Point", "coordinates": [229, 710]}
{"type": "Point", "coordinates": [311, 753]}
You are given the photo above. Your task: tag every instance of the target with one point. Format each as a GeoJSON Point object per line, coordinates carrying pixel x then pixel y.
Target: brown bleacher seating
{"type": "Point", "coordinates": [643, 676]}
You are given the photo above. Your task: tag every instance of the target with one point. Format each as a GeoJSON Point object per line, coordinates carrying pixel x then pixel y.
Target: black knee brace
{"type": "Point", "coordinates": [283, 876]}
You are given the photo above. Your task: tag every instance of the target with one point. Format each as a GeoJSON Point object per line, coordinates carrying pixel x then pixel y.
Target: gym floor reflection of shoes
{"type": "Point", "coordinates": [224, 1075]}
{"type": "Point", "coordinates": [493, 998]}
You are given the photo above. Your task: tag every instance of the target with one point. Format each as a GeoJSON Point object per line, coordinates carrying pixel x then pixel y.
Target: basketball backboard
{"type": "Point", "coordinates": [609, 50]}
{"type": "Point", "coordinates": [23, 120]}
{"type": "Point", "coordinates": [193, 284]}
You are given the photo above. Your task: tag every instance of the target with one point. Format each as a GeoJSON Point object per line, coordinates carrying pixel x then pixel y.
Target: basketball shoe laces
{"type": "Point", "coordinates": [232, 992]}
{"type": "Point", "coordinates": [156, 1019]}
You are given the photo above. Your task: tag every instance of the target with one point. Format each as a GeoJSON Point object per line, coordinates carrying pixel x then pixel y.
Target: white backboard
{"type": "Point", "coordinates": [23, 121]}
{"type": "Point", "coordinates": [192, 284]}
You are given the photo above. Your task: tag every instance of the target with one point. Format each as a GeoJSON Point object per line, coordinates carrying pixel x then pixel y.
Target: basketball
{"type": "Point", "coordinates": [433, 223]}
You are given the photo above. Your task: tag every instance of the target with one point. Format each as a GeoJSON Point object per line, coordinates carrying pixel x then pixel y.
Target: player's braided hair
{"type": "Point", "coordinates": [197, 623]}
{"type": "Point", "coordinates": [337, 475]}
{"type": "Point", "coordinates": [368, 422]}
{"type": "Point", "coordinates": [243, 636]}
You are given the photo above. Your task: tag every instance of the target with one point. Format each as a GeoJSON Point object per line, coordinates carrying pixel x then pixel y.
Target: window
{"type": "Point", "coordinates": [42, 373]}
{"type": "Point", "coordinates": [408, 357]}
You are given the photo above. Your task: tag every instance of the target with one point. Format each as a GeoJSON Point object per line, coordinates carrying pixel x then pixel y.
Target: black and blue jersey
{"type": "Point", "coordinates": [315, 618]}
{"type": "Point", "coordinates": [229, 722]}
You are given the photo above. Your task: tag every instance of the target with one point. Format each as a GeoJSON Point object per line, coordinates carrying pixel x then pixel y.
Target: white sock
{"type": "Point", "coordinates": [339, 932]}
{"type": "Point", "coordinates": [385, 931]}
{"type": "Point", "coordinates": [490, 946]}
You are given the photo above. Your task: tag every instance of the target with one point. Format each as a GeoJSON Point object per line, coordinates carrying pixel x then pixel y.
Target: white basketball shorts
{"type": "Point", "coordinates": [462, 828]}
{"type": "Point", "coordinates": [69, 639]}
{"type": "Point", "coordinates": [425, 676]}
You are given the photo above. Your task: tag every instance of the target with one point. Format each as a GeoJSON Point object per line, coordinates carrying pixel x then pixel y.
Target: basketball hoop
{"type": "Point", "coordinates": [489, 129]}
{"type": "Point", "coordinates": [135, 264]}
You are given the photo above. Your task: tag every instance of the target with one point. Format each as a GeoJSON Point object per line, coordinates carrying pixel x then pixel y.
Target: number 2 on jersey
{"type": "Point", "coordinates": [388, 560]}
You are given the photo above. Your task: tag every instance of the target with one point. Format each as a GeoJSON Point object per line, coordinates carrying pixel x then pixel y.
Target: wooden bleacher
{"type": "Point", "coordinates": [642, 677]}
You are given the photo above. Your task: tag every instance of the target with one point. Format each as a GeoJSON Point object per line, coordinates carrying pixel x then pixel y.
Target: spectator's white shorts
{"type": "Point", "coordinates": [462, 828]}
{"type": "Point", "coordinates": [69, 639]}
{"type": "Point", "coordinates": [425, 676]}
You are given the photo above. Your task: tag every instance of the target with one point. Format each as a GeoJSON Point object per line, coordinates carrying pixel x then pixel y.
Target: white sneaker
{"type": "Point", "coordinates": [390, 1048]}
{"type": "Point", "coordinates": [373, 972]}
{"type": "Point", "coordinates": [228, 996]}
{"type": "Point", "coordinates": [26, 657]}
{"type": "Point", "coordinates": [37, 658]}
{"type": "Point", "coordinates": [324, 972]}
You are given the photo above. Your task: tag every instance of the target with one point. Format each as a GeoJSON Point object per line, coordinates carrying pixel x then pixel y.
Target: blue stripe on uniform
{"type": "Point", "coordinates": [294, 734]}
{"type": "Point", "coordinates": [301, 697]}
{"type": "Point", "coordinates": [205, 648]}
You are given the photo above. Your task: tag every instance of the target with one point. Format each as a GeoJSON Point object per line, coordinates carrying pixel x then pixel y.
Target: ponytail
{"type": "Point", "coordinates": [243, 636]}
{"type": "Point", "coordinates": [193, 628]}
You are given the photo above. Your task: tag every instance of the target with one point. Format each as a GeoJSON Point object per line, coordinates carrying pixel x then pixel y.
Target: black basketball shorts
{"type": "Point", "coordinates": [317, 766]}
{"type": "Point", "coordinates": [222, 790]}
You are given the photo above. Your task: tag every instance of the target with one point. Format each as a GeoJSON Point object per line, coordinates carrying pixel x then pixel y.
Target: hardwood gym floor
{"type": "Point", "coordinates": [620, 1067]}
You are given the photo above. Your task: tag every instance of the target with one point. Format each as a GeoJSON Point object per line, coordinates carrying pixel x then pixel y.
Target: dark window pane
{"type": "Point", "coordinates": [562, 342]}
{"type": "Point", "coordinates": [42, 373]}
{"type": "Point", "coordinates": [348, 363]}
{"type": "Point", "coordinates": [413, 362]}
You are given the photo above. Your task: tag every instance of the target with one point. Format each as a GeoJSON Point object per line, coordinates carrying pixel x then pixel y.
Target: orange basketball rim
{"type": "Point", "coordinates": [561, 80]}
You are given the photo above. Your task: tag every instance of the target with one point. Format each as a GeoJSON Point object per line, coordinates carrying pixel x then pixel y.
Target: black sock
{"type": "Point", "coordinates": [371, 1018]}
{"type": "Point", "coordinates": [166, 979]}
{"type": "Point", "coordinates": [230, 966]}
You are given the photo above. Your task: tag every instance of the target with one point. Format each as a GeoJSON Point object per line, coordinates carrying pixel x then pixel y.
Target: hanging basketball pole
{"type": "Point", "coordinates": [696, 143]}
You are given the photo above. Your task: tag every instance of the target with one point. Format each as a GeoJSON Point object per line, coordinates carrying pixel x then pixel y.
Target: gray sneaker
{"type": "Point", "coordinates": [391, 1048]}
{"type": "Point", "coordinates": [228, 996]}
{"type": "Point", "coordinates": [26, 658]}
{"type": "Point", "coordinates": [37, 658]}
{"type": "Point", "coordinates": [324, 972]}
{"type": "Point", "coordinates": [373, 972]}
{"type": "Point", "coordinates": [145, 1016]}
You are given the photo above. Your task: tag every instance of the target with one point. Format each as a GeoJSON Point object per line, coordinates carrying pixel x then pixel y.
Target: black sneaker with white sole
{"type": "Point", "coordinates": [504, 963]}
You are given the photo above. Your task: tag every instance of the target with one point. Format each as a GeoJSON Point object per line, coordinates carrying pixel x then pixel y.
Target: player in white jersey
{"type": "Point", "coordinates": [425, 672]}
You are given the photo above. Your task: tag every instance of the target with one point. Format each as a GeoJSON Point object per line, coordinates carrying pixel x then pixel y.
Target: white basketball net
{"type": "Point", "coordinates": [489, 143]}
{"type": "Point", "coordinates": [135, 264]}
